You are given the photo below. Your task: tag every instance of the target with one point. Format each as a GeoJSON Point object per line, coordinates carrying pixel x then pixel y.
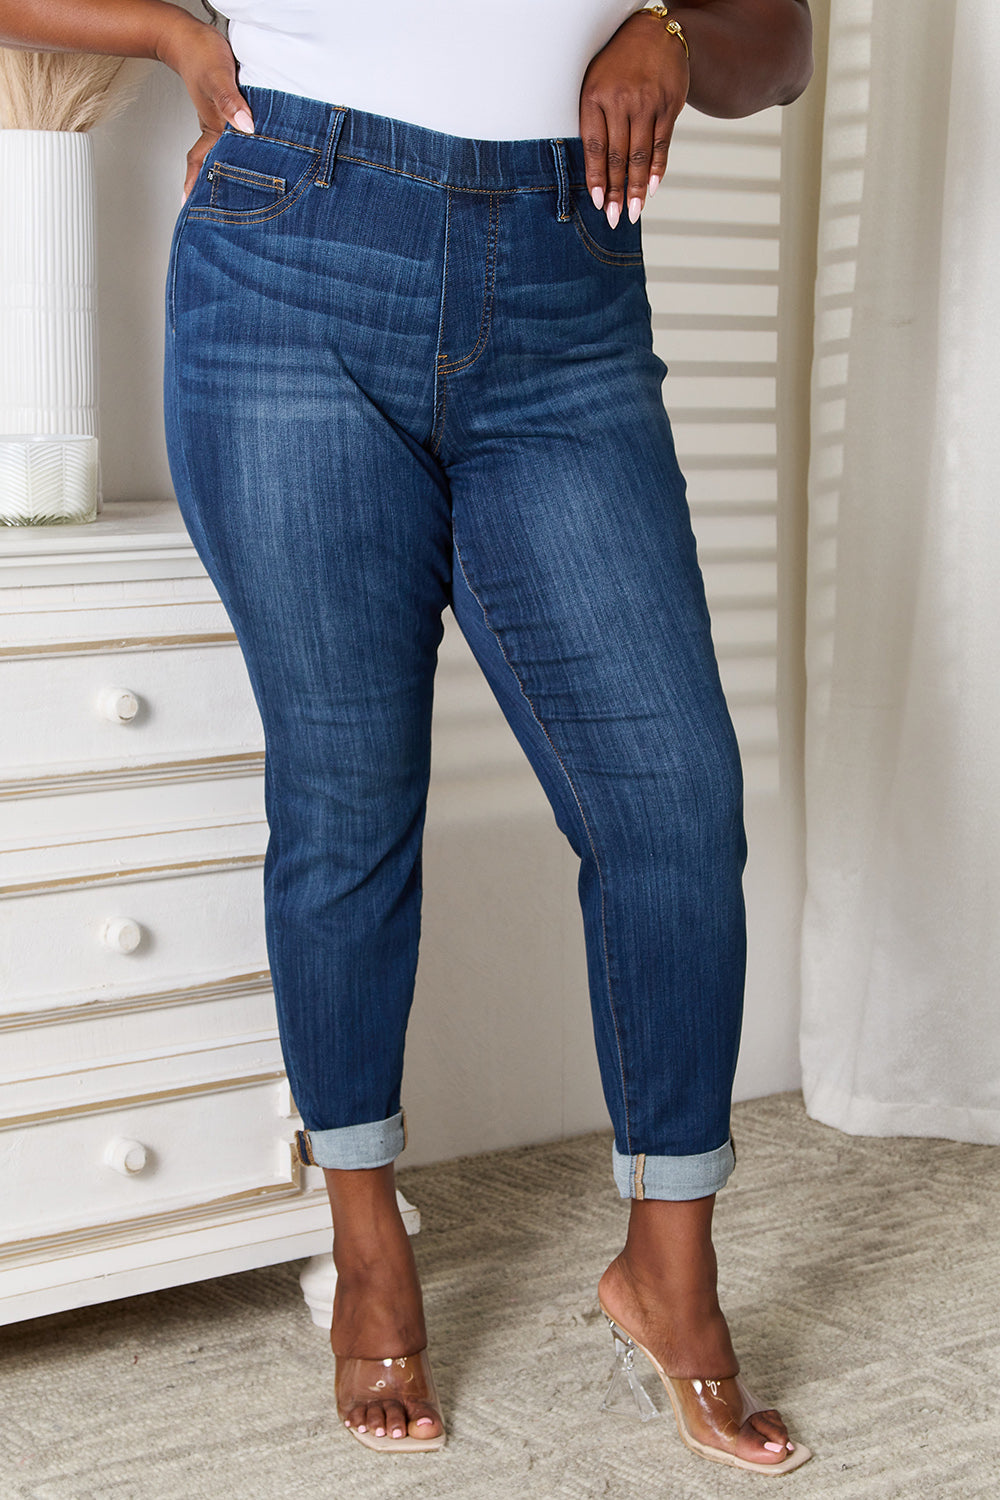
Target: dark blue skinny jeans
{"type": "Point", "coordinates": [404, 371]}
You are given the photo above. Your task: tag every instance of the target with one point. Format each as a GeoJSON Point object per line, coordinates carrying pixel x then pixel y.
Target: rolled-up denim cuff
{"type": "Point", "coordinates": [353, 1148]}
{"type": "Point", "coordinates": [677, 1178]}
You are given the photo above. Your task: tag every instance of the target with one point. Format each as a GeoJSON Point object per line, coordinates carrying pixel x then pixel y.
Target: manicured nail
{"type": "Point", "coordinates": [790, 1447]}
{"type": "Point", "coordinates": [775, 1447]}
{"type": "Point", "coordinates": [362, 1427]}
{"type": "Point", "coordinates": [598, 196]}
{"type": "Point", "coordinates": [634, 209]}
{"type": "Point", "coordinates": [614, 214]}
{"type": "Point", "coordinates": [380, 1432]}
{"type": "Point", "coordinates": [654, 183]}
{"type": "Point", "coordinates": [347, 1421]}
{"type": "Point", "coordinates": [243, 121]}
{"type": "Point", "coordinates": [425, 1422]}
{"type": "Point", "coordinates": [397, 1432]}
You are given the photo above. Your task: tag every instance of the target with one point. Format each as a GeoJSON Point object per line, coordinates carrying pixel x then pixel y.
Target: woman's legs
{"type": "Point", "coordinates": [642, 775]}
{"type": "Point", "coordinates": [337, 603]}
{"type": "Point", "coordinates": [662, 1288]}
{"type": "Point", "coordinates": [326, 528]}
{"type": "Point", "coordinates": [378, 1310]}
{"type": "Point", "coordinates": [577, 586]}
{"type": "Point", "coordinates": [292, 398]}
{"type": "Point", "coordinates": [332, 390]}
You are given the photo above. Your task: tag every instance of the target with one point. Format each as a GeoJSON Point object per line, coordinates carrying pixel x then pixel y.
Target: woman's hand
{"type": "Point", "coordinates": [632, 93]}
{"type": "Point", "coordinates": [204, 60]}
{"type": "Point", "coordinates": [141, 28]}
{"type": "Point", "coordinates": [748, 55]}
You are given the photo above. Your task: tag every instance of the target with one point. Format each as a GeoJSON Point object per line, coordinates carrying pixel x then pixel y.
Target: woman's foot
{"type": "Point", "coordinates": [378, 1314]}
{"type": "Point", "coordinates": [662, 1290]}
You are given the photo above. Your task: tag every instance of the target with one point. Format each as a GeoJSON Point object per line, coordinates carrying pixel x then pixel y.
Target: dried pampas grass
{"type": "Point", "coordinates": [65, 90]}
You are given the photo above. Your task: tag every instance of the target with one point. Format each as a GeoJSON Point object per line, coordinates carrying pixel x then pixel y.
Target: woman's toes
{"type": "Point", "coordinates": [769, 1435]}
{"type": "Point", "coordinates": [392, 1419]}
{"type": "Point", "coordinates": [425, 1422]}
{"type": "Point", "coordinates": [395, 1419]}
{"type": "Point", "coordinates": [770, 1424]}
{"type": "Point", "coordinates": [355, 1416]}
{"type": "Point", "coordinates": [375, 1418]}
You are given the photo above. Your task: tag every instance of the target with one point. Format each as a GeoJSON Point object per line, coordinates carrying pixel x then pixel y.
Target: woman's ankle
{"type": "Point", "coordinates": [378, 1306]}
{"type": "Point", "coordinates": [378, 1315]}
{"type": "Point", "coordinates": [363, 1203]}
{"type": "Point", "coordinates": [672, 1242]}
{"type": "Point", "coordinates": [663, 1288]}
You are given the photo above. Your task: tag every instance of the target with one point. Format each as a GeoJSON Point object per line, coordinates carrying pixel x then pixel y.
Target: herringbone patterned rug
{"type": "Point", "coordinates": [861, 1278]}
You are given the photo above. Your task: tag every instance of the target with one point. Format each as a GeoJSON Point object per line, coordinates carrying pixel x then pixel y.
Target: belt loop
{"type": "Point", "coordinates": [562, 178]}
{"type": "Point", "coordinates": [325, 174]}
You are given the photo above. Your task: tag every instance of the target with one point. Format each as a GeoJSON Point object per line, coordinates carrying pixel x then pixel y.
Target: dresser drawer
{"type": "Point", "coordinates": [138, 934]}
{"type": "Point", "coordinates": [96, 708]}
{"type": "Point", "coordinates": [173, 1154]}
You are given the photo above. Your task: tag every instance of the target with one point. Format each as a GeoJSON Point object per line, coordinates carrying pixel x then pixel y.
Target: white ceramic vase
{"type": "Point", "coordinates": [48, 286]}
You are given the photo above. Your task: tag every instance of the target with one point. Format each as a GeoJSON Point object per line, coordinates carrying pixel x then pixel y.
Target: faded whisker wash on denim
{"type": "Point", "coordinates": [405, 371]}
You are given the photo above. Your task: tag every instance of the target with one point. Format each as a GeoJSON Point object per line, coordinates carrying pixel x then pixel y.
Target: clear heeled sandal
{"type": "Point", "coordinates": [407, 1378]}
{"type": "Point", "coordinates": [709, 1413]}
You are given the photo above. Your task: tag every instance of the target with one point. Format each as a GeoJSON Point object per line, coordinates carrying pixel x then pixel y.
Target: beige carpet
{"type": "Point", "coordinates": [860, 1277]}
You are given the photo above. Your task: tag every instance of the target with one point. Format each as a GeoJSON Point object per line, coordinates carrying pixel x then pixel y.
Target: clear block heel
{"type": "Point", "coordinates": [626, 1393]}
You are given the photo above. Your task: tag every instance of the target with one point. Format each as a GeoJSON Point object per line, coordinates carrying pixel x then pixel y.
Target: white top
{"type": "Point", "coordinates": [489, 69]}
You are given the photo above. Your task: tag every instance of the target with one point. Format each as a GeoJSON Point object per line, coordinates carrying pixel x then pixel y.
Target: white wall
{"type": "Point", "coordinates": [140, 177]}
{"type": "Point", "coordinates": [500, 1048]}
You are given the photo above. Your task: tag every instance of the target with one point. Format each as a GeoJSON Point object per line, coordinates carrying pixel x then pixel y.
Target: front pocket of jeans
{"type": "Point", "coordinates": [237, 188]}
{"type": "Point", "coordinates": [621, 246]}
{"type": "Point", "coordinates": [252, 178]}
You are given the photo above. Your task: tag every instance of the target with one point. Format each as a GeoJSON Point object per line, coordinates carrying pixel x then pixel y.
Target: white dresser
{"type": "Point", "coordinates": [145, 1122]}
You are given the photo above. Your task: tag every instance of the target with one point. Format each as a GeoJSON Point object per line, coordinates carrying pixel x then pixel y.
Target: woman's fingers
{"type": "Point", "coordinates": [206, 64]}
{"type": "Point", "coordinates": [594, 134]}
{"type": "Point", "coordinates": [639, 158]}
{"type": "Point", "coordinates": [617, 167]}
{"type": "Point", "coordinates": [220, 102]}
{"type": "Point", "coordinates": [196, 156]}
{"type": "Point", "coordinates": [662, 135]}
{"type": "Point", "coordinates": [223, 106]}
{"type": "Point", "coordinates": [624, 154]}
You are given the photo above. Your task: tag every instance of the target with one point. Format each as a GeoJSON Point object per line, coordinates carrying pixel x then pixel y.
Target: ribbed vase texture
{"type": "Point", "coordinates": [48, 324]}
{"type": "Point", "coordinates": [47, 481]}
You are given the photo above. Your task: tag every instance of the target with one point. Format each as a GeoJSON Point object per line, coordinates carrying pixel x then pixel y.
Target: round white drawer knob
{"type": "Point", "coordinates": [121, 935]}
{"type": "Point", "coordinates": [118, 705]}
{"type": "Point", "coordinates": [126, 1157]}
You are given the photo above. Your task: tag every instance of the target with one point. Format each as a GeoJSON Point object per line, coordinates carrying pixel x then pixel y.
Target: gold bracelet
{"type": "Point", "coordinates": [662, 13]}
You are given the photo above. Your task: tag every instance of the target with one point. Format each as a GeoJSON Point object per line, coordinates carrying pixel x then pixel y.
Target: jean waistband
{"type": "Point", "coordinates": [414, 151]}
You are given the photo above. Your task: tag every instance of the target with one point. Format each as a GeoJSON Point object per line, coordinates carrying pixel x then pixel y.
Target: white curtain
{"type": "Point", "coordinates": [901, 940]}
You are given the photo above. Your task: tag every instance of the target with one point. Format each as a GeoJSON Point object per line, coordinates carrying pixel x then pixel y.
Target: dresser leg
{"type": "Point", "coordinates": [319, 1276]}
{"type": "Point", "coordinates": [317, 1279]}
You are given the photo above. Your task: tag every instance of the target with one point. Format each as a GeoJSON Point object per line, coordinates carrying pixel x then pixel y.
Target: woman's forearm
{"type": "Point", "coordinates": [140, 28]}
{"type": "Point", "coordinates": [119, 28]}
{"type": "Point", "coordinates": [745, 54]}
{"type": "Point", "coordinates": [738, 56]}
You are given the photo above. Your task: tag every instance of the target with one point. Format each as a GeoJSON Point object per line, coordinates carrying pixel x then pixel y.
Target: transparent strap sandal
{"type": "Point", "coordinates": [406, 1379]}
{"type": "Point", "coordinates": [710, 1414]}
